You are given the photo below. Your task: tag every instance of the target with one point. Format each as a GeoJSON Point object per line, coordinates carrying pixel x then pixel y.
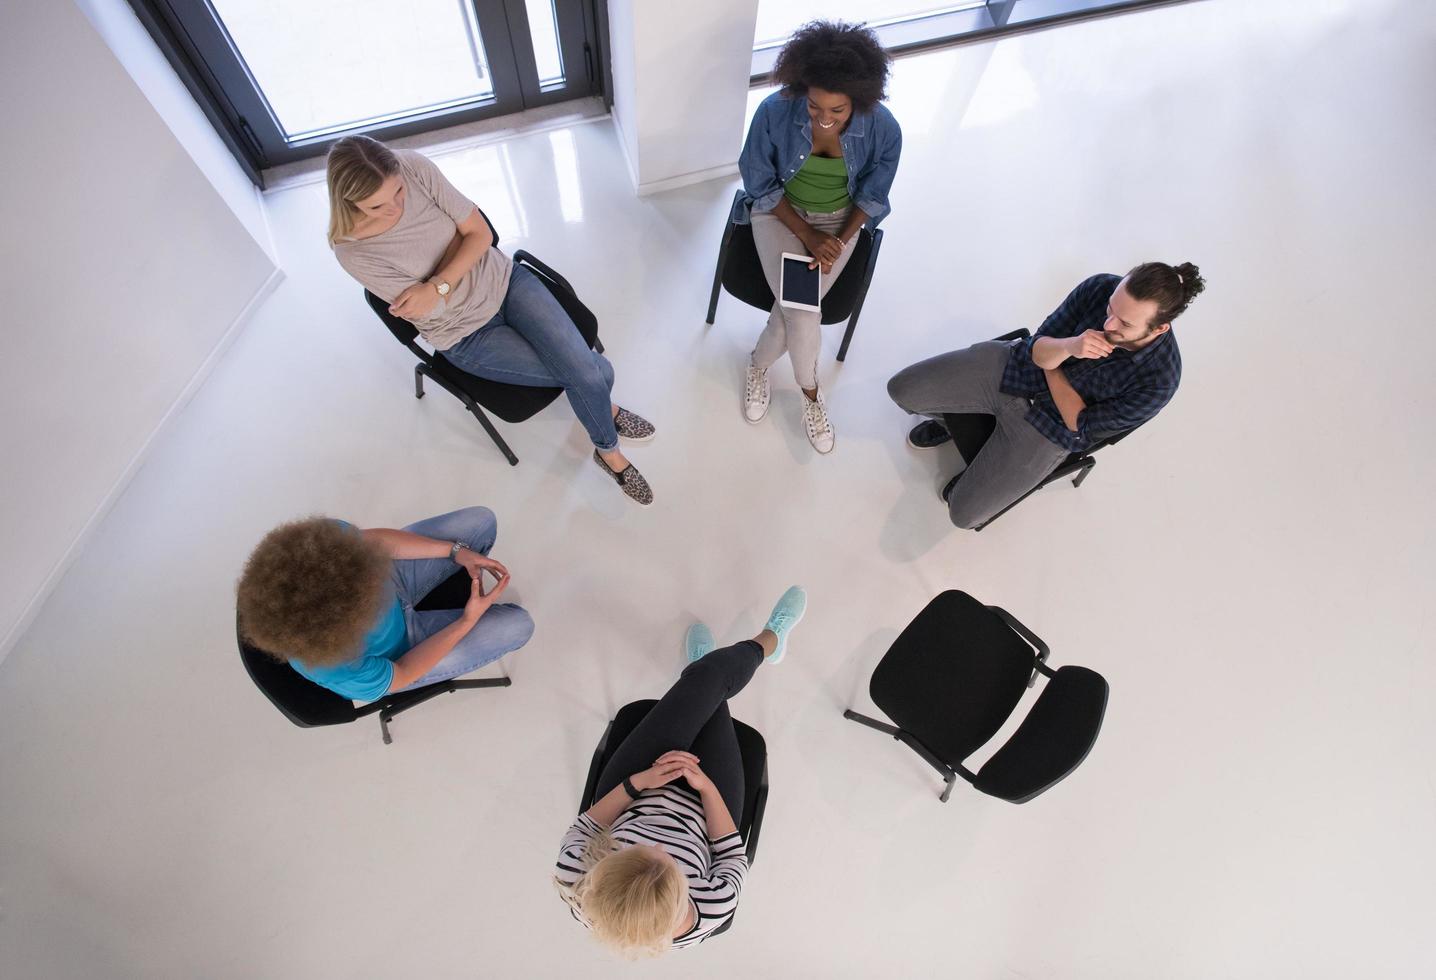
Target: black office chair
{"type": "Point", "coordinates": [971, 432]}
{"type": "Point", "coordinates": [953, 678]}
{"type": "Point", "coordinates": [512, 403]}
{"type": "Point", "coordinates": [755, 773]}
{"type": "Point", "coordinates": [740, 272]}
{"type": "Point", "coordinates": [309, 705]}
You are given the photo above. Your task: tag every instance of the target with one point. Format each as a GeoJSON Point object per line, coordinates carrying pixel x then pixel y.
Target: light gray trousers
{"type": "Point", "coordinates": [798, 333]}
{"type": "Point", "coordinates": [969, 381]}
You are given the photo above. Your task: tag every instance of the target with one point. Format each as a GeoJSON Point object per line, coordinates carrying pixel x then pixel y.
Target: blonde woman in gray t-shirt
{"type": "Point", "coordinates": [409, 237]}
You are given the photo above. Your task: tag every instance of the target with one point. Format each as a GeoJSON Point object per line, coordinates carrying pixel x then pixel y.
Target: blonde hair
{"type": "Point", "coordinates": [630, 898]}
{"type": "Point", "coordinates": [357, 168]}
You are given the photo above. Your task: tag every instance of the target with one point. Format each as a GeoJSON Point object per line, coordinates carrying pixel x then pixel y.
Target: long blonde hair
{"type": "Point", "coordinates": [630, 898]}
{"type": "Point", "coordinates": [358, 167]}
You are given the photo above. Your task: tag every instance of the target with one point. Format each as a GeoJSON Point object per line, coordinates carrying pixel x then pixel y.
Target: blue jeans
{"type": "Point", "coordinates": [531, 341]}
{"type": "Point", "coordinates": [503, 628]}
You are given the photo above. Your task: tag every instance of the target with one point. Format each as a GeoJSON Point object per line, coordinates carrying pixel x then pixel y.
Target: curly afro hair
{"type": "Point", "coordinates": [312, 590]}
{"type": "Point", "coordinates": [837, 57]}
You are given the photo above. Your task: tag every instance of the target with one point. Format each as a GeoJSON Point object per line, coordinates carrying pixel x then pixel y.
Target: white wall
{"type": "Point", "coordinates": [124, 273]}
{"type": "Point", "coordinates": [142, 59]}
{"type": "Point", "coordinates": [680, 79]}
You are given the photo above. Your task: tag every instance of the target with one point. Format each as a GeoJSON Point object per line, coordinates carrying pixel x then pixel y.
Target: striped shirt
{"type": "Point", "coordinates": [671, 817]}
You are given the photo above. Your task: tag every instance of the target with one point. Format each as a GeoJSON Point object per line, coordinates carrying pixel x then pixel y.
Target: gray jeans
{"type": "Point", "coordinates": [798, 333]}
{"type": "Point", "coordinates": [1017, 456]}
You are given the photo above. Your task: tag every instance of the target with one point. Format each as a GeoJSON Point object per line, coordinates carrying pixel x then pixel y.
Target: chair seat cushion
{"type": "Point", "coordinates": [510, 402]}
{"type": "Point", "coordinates": [953, 676]}
{"type": "Point", "coordinates": [1052, 740]}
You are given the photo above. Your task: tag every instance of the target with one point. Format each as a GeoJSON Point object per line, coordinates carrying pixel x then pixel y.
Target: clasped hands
{"type": "Point", "coordinates": [825, 249]}
{"type": "Point", "coordinates": [670, 766]}
{"type": "Point", "coordinates": [480, 599]}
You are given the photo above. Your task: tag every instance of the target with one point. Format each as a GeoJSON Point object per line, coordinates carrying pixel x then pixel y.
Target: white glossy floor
{"type": "Point", "coordinates": [1252, 572]}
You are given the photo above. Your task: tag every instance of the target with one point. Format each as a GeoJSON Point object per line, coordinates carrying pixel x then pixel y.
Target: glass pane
{"type": "Point", "coordinates": [543, 29]}
{"type": "Point", "coordinates": [329, 65]}
{"type": "Point", "coordinates": [778, 19]}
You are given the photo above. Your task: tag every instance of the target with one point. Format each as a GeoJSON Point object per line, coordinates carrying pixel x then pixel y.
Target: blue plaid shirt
{"type": "Point", "coordinates": [1122, 390]}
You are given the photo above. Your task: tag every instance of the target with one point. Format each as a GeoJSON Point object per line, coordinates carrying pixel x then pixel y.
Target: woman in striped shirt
{"type": "Point", "coordinates": [657, 862]}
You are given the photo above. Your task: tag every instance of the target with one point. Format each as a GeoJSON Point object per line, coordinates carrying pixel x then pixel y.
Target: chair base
{"type": "Point", "coordinates": [421, 371]}
{"type": "Point", "coordinates": [389, 707]}
{"type": "Point", "coordinates": [949, 773]}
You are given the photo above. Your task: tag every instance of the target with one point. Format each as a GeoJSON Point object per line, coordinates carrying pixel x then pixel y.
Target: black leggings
{"type": "Point", "coordinates": [693, 716]}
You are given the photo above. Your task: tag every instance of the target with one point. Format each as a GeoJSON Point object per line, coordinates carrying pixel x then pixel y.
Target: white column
{"type": "Point", "coordinates": [680, 80]}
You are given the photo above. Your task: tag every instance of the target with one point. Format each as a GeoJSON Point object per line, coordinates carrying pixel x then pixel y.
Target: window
{"type": "Point", "coordinates": [909, 25]}
{"type": "Point", "coordinates": [283, 80]}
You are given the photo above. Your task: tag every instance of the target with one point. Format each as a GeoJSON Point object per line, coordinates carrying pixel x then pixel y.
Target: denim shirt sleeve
{"type": "Point", "coordinates": [758, 163]}
{"type": "Point", "coordinates": [876, 178]}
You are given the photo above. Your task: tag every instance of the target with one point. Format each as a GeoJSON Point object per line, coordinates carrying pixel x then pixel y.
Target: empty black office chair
{"type": "Point", "coordinates": [755, 773]}
{"type": "Point", "coordinates": [309, 705]}
{"type": "Point", "coordinates": [512, 403]}
{"type": "Point", "coordinates": [953, 678]}
{"type": "Point", "coordinates": [971, 432]}
{"type": "Point", "coordinates": [740, 272]}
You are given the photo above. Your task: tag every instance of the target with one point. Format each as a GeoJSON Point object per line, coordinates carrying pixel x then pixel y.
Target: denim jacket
{"type": "Point", "coordinates": [781, 138]}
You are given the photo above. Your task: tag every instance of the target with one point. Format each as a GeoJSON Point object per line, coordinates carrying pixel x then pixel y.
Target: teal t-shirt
{"type": "Point", "coordinates": [367, 677]}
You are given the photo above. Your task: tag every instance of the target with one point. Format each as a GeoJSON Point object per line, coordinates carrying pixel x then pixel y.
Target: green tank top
{"type": "Point", "coordinates": [820, 186]}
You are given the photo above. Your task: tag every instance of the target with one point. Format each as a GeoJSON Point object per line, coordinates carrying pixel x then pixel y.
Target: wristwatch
{"type": "Point", "coordinates": [442, 287]}
{"type": "Point", "coordinates": [454, 550]}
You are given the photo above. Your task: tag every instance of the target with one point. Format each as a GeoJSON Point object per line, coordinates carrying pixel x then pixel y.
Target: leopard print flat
{"type": "Point", "coordinates": [633, 427]}
{"type": "Point", "coordinates": [630, 481]}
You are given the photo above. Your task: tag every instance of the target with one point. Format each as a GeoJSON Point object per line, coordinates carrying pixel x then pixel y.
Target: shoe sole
{"type": "Point", "coordinates": [918, 445]}
{"type": "Point", "coordinates": [638, 440]}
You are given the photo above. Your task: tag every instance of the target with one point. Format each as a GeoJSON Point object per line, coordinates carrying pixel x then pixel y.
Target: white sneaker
{"type": "Point", "coordinates": [815, 420]}
{"type": "Point", "coordinates": [756, 394]}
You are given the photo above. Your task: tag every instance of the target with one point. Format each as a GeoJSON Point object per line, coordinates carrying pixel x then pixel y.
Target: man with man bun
{"type": "Point", "coordinates": [1104, 362]}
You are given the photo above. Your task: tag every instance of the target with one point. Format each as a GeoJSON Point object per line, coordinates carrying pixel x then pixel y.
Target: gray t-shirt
{"type": "Point", "coordinates": [409, 252]}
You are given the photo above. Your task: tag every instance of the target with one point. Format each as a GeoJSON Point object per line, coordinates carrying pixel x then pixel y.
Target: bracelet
{"type": "Point", "coordinates": [454, 550]}
{"type": "Point", "coordinates": [628, 788]}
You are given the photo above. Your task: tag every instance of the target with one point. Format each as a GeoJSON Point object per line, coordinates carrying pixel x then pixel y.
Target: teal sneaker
{"type": "Point", "coordinates": [786, 614]}
{"type": "Point", "coordinates": [699, 642]}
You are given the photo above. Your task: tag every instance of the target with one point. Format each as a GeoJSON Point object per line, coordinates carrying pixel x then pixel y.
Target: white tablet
{"type": "Point", "coordinates": [799, 284]}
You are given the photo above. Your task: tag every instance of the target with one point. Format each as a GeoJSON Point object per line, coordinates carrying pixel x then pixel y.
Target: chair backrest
{"type": "Point", "coordinates": [1052, 740]}
{"type": "Point", "coordinates": [566, 295]}
{"type": "Point", "coordinates": [744, 279]}
{"type": "Point", "coordinates": [299, 699]}
{"type": "Point", "coordinates": [953, 676]}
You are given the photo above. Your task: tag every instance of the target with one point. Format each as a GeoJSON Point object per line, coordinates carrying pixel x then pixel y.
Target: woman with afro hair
{"type": "Point", "coordinates": [817, 165]}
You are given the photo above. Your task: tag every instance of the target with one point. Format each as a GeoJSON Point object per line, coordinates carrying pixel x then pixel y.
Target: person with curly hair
{"type": "Point", "coordinates": [818, 164]}
{"type": "Point", "coordinates": [338, 603]}
{"type": "Point", "coordinates": [411, 238]}
{"type": "Point", "coordinates": [657, 862]}
{"type": "Point", "coordinates": [1103, 362]}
